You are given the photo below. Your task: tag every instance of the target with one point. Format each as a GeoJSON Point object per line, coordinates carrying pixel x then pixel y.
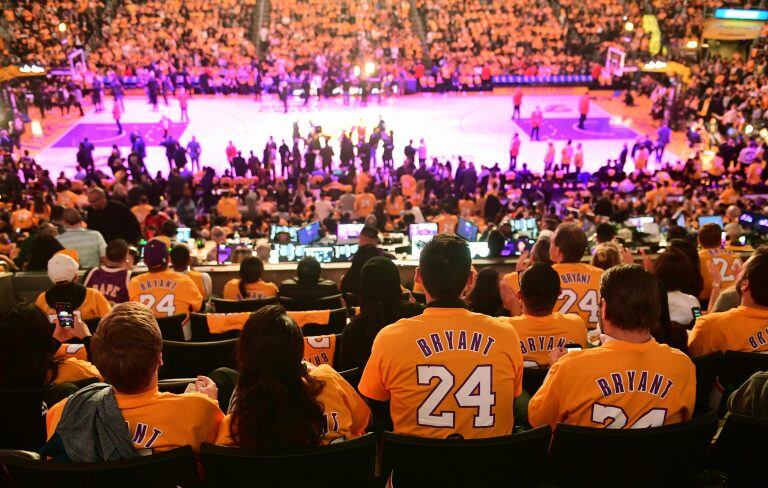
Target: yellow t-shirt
{"type": "Point", "coordinates": [161, 421]}
{"type": "Point", "coordinates": [738, 329]}
{"type": "Point", "coordinates": [346, 414]}
{"type": "Point", "coordinates": [364, 204]}
{"type": "Point", "coordinates": [73, 369]}
{"type": "Point", "coordinates": [448, 371]}
{"type": "Point", "coordinates": [540, 335]}
{"type": "Point", "coordinates": [618, 385]}
{"type": "Point", "coordinates": [23, 219]}
{"type": "Point", "coordinates": [446, 223]}
{"type": "Point", "coordinates": [227, 207]}
{"type": "Point", "coordinates": [94, 305]}
{"type": "Point", "coordinates": [259, 290]}
{"type": "Point", "coordinates": [408, 184]}
{"type": "Point", "coordinates": [725, 262]}
{"type": "Point", "coordinates": [165, 292]}
{"type": "Point", "coordinates": [580, 294]}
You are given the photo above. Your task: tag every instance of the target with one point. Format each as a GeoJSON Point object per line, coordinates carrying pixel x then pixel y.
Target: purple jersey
{"type": "Point", "coordinates": [111, 282]}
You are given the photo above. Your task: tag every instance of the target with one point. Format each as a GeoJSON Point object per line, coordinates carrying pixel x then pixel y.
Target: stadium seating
{"type": "Point", "coordinates": [737, 367]}
{"type": "Point", "coordinates": [514, 460]}
{"type": "Point", "coordinates": [533, 378]}
{"type": "Point", "coordinates": [740, 450]}
{"type": "Point", "coordinates": [171, 327]}
{"type": "Point", "coordinates": [325, 303]}
{"type": "Point", "coordinates": [189, 359]}
{"type": "Point", "coordinates": [234, 306]}
{"type": "Point", "coordinates": [200, 332]}
{"type": "Point", "coordinates": [352, 376]}
{"type": "Point", "coordinates": [706, 374]}
{"type": "Point", "coordinates": [167, 469]}
{"type": "Point", "coordinates": [175, 385]}
{"type": "Point", "coordinates": [671, 455]}
{"type": "Point", "coordinates": [344, 464]}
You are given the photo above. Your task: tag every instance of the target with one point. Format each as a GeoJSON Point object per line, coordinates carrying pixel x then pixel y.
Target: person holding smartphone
{"type": "Point", "coordinates": [87, 303]}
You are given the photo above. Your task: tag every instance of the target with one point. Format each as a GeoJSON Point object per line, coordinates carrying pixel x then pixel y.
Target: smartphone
{"type": "Point", "coordinates": [223, 253]}
{"type": "Point", "coordinates": [200, 243]}
{"type": "Point", "coordinates": [696, 311]}
{"type": "Point", "coordinates": [572, 347]}
{"type": "Point", "coordinates": [65, 314]}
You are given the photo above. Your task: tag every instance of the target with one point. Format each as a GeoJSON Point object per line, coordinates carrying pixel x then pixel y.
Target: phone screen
{"type": "Point", "coordinates": [572, 347]}
{"type": "Point", "coordinates": [64, 314]}
{"type": "Point", "coordinates": [696, 311]}
{"type": "Point", "coordinates": [223, 253]}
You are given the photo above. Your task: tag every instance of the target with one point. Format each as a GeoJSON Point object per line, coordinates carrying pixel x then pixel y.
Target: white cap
{"type": "Point", "coordinates": [62, 268]}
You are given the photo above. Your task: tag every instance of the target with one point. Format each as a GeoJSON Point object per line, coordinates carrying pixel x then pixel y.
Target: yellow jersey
{"type": "Point", "coordinates": [166, 292]}
{"type": "Point", "coordinates": [95, 305]}
{"type": "Point", "coordinates": [161, 421]}
{"type": "Point", "coordinates": [254, 291]}
{"type": "Point", "coordinates": [580, 293]}
{"type": "Point", "coordinates": [320, 349]}
{"type": "Point", "coordinates": [619, 385]}
{"type": "Point", "coordinates": [364, 204]}
{"type": "Point", "coordinates": [346, 414]}
{"type": "Point", "coordinates": [540, 335]}
{"type": "Point", "coordinates": [742, 329]}
{"type": "Point", "coordinates": [446, 223]}
{"type": "Point", "coordinates": [448, 371]}
{"type": "Point", "coordinates": [727, 263]}
{"type": "Point", "coordinates": [72, 369]}
{"type": "Point", "coordinates": [227, 207]}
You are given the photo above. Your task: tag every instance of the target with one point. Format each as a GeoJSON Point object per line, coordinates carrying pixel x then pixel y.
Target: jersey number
{"type": "Point", "coordinates": [476, 392]}
{"type": "Point", "coordinates": [726, 270]}
{"type": "Point", "coordinates": [164, 305]}
{"type": "Point", "coordinates": [588, 303]}
{"type": "Point", "coordinates": [652, 418]}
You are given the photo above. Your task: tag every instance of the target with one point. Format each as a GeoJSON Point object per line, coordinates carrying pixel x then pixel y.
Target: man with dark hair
{"type": "Point", "coordinates": [113, 219]}
{"type": "Point", "coordinates": [88, 243]}
{"type": "Point", "coordinates": [631, 381]}
{"type": "Point", "coordinates": [744, 328]}
{"type": "Point", "coordinates": [447, 372]}
{"type": "Point", "coordinates": [726, 262]}
{"type": "Point", "coordinates": [580, 281]}
{"type": "Point", "coordinates": [111, 278]}
{"type": "Point", "coordinates": [130, 412]}
{"type": "Point", "coordinates": [540, 329]}
{"type": "Point", "coordinates": [604, 232]}
{"type": "Point", "coordinates": [307, 285]}
{"type": "Point", "coordinates": [181, 261]}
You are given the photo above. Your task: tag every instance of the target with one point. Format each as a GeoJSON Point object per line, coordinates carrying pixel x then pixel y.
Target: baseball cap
{"type": "Point", "coordinates": [62, 268]}
{"type": "Point", "coordinates": [370, 231]}
{"type": "Point", "coordinates": [155, 253]}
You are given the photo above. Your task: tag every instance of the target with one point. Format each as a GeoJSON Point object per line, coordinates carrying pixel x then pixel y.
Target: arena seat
{"type": "Point", "coordinates": [325, 303]}
{"type": "Point", "coordinates": [706, 373]}
{"type": "Point", "coordinates": [352, 376]}
{"type": "Point", "coordinates": [171, 328]}
{"type": "Point", "coordinates": [514, 460]}
{"type": "Point", "coordinates": [323, 349]}
{"type": "Point", "coordinates": [419, 297]}
{"type": "Point", "coordinates": [740, 450]}
{"type": "Point", "coordinates": [234, 306]}
{"type": "Point", "coordinates": [171, 468]}
{"type": "Point", "coordinates": [337, 320]}
{"type": "Point", "coordinates": [189, 359]}
{"type": "Point", "coordinates": [533, 378]}
{"type": "Point", "coordinates": [353, 462]}
{"type": "Point", "coordinates": [737, 367]}
{"type": "Point", "coordinates": [92, 323]}
{"type": "Point", "coordinates": [201, 333]}
{"type": "Point", "coordinates": [174, 385]}
{"type": "Point", "coordinates": [672, 455]}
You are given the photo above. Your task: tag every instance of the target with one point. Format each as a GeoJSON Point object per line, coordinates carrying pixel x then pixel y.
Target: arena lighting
{"type": "Point", "coordinates": [369, 68]}
{"type": "Point", "coordinates": [692, 44]}
{"type": "Point", "coordinates": [629, 26]}
{"type": "Point", "coordinates": [37, 128]}
{"type": "Point", "coordinates": [763, 133]}
{"type": "Point", "coordinates": [62, 27]}
{"type": "Point", "coordinates": [356, 71]}
{"type": "Point", "coordinates": [655, 65]}
{"type": "Point", "coordinates": [748, 129]}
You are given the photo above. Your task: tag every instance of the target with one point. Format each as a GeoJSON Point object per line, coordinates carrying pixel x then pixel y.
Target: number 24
{"type": "Point", "coordinates": [652, 418]}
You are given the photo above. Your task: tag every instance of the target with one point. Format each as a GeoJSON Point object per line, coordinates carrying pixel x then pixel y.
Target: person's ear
{"type": "Point", "coordinates": [417, 276]}
{"type": "Point", "coordinates": [603, 306]}
{"type": "Point", "coordinates": [160, 359]}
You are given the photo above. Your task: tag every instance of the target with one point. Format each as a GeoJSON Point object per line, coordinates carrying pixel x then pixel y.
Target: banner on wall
{"type": "Point", "coordinates": [732, 30]}
{"type": "Point", "coordinates": [651, 25]}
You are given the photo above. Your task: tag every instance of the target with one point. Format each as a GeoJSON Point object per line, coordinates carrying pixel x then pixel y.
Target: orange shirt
{"type": "Point", "coordinates": [94, 305]}
{"type": "Point", "coordinates": [466, 208]}
{"type": "Point", "coordinates": [227, 207]}
{"type": "Point", "coordinates": [446, 223]}
{"type": "Point", "coordinates": [320, 349]}
{"type": "Point", "coordinates": [448, 371]}
{"type": "Point", "coordinates": [540, 335]}
{"type": "Point", "coordinates": [165, 292]}
{"type": "Point", "coordinates": [618, 385]}
{"type": "Point", "coordinates": [161, 421]}
{"type": "Point", "coordinates": [395, 208]}
{"type": "Point", "coordinates": [73, 369]}
{"type": "Point", "coordinates": [346, 414]}
{"type": "Point", "coordinates": [738, 329]}
{"type": "Point", "coordinates": [23, 219]}
{"type": "Point", "coordinates": [725, 262]}
{"type": "Point", "coordinates": [364, 204]}
{"type": "Point", "coordinates": [580, 294]}
{"type": "Point", "coordinates": [141, 212]}
{"type": "Point", "coordinates": [259, 290]}
{"type": "Point", "coordinates": [408, 184]}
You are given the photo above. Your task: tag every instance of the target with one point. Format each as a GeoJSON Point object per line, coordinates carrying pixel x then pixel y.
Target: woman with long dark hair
{"type": "Point", "coordinates": [280, 402]}
{"type": "Point", "coordinates": [485, 297]}
{"type": "Point", "coordinates": [29, 355]}
{"type": "Point", "coordinates": [381, 304]}
{"type": "Point", "coordinates": [249, 286]}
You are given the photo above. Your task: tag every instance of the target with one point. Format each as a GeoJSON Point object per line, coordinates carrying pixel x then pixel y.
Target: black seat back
{"type": "Point", "coordinates": [168, 469]}
{"type": "Point", "coordinates": [671, 455]}
{"type": "Point", "coordinates": [533, 378]}
{"type": "Point", "coordinates": [234, 306]}
{"type": "Point", "coordinates": [707, 368]}
{"type": "Point", "coordinates": [189, 359]}
{"type": "Point", "coordinates": [336, 323]}
{"type": "Point", "coordinates": [737, 367]}
{"type": "Point", "coordinates": [324, 303]}
{"type": "Point", "coordinates": [514, 460]}
{"type": "Point", "coordinates": [198, 323]}
{"type": "Point", "coordinates": [171, 327]}
{"type": "Point", "coordinates": [347, 464]}
{"type": "Point", "coordinates": [740, 450]}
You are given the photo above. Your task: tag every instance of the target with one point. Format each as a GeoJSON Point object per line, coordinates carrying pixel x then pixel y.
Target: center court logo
{"type": "Point", "coordinates": [556, 108]}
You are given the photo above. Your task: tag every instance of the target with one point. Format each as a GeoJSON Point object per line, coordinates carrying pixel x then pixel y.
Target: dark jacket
{"type": "Point", "coordinates": [115, 221]}
{"type": "Point", "coordinates": [293, 288]}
